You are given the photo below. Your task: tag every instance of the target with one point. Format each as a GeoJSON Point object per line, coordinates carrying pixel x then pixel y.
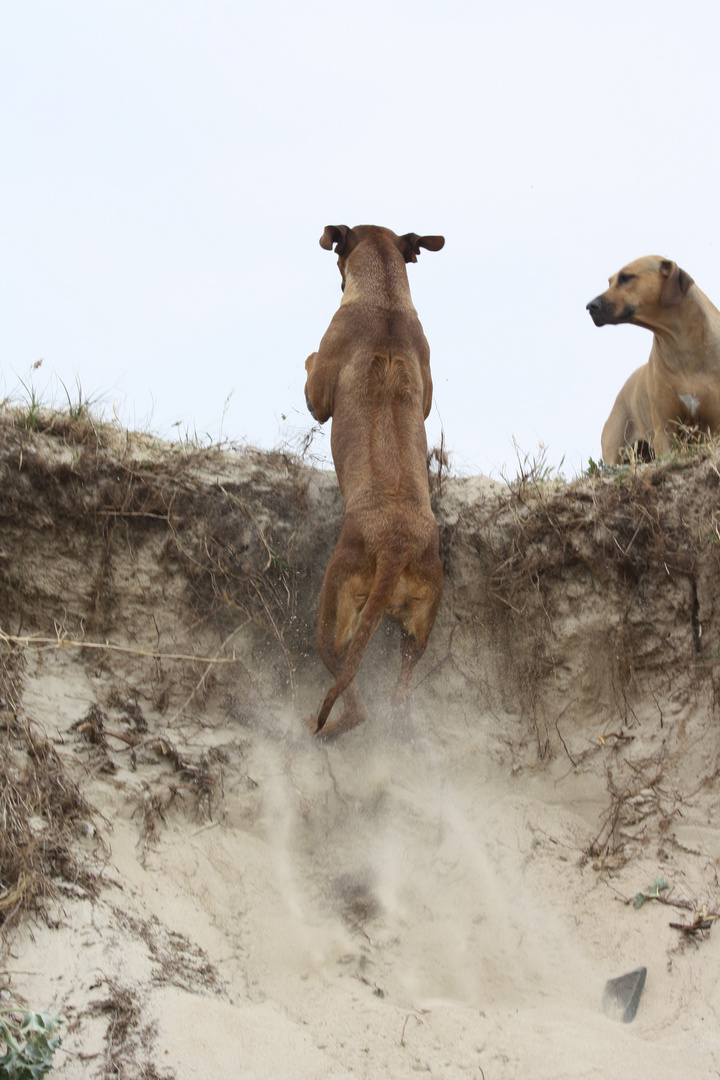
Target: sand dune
{"type": "Point", "coordinates": [448, 898]}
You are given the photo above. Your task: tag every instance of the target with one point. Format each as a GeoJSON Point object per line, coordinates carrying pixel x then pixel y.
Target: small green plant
{"type": "Point", "coordinates": [658, 886]}
{"type": "Point", "coordinates": [30, 1044]}
{"type": "Point", "coordinates": [598, 468]}
{"type": "Point", "coordinates": [33, 405]}
{"type": "Point", "coordinates": [534, 471]}
{"type": "Point", "coordinates": [83, 406]}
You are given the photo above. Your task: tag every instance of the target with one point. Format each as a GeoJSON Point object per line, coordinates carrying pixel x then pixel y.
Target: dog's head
{"type": "Point", "coordinates": [346, 240]}
{"type": "Point", "coordinates": [640, 291]}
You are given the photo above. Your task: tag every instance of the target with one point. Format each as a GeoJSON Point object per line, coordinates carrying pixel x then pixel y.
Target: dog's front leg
{"type": "Point", "coordinates": [318, 393]}
{"type": "Point", "coordinates": [309, 365]}
{"type": "Point", "coordinates": [662, 439]}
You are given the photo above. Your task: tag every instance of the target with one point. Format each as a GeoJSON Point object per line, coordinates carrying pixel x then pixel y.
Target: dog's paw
{"type": "Point", "coordinates": [348, 720]}
{"type": "Point", "coordinates": [311, 723]}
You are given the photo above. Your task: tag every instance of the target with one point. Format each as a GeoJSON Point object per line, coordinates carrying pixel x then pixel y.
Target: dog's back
{"type": "Point", "coordinates": [382, 393]}
{"type": "Point", "coordinates": [378, 438]}
{"type": "Point", "coordinates": [395, 443]}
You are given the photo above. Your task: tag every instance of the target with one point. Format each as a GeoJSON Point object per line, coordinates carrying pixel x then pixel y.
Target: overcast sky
{"type": "Point", "coordinates": [168, 167]}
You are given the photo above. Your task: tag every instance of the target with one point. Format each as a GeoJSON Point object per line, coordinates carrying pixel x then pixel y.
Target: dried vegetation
{"type": "Point", "coordinates": [43, 814]}
{"type": "Point", "coordinates": [562, 601]}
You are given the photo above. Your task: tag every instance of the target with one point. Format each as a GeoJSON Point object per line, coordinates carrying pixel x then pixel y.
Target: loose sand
{"type": "Point", "coordinates": [449, 898]}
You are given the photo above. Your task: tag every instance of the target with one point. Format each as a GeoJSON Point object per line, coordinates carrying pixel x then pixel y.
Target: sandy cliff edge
{"type": "Point", "coordinates": [203, 889]}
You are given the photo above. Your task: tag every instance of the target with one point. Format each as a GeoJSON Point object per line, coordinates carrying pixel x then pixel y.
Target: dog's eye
{"type": "Point", "coordinates": [623, 279]}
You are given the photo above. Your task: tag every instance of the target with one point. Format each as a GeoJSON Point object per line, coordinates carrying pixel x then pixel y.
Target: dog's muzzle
{"type": "Point", "coordinates": [603, 313]}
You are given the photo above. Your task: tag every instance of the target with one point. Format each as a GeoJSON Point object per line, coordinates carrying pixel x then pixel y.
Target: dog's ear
{"type": "Point", "coordinates": [411, 243]}
{"type": "Point", "coordinates": [677, 283]}
{"type": "Point", "coordinates": [335, 234]}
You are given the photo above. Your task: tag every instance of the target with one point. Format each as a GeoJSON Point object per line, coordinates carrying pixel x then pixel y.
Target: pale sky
{"type": "Point", "coordinates": [168, 167]}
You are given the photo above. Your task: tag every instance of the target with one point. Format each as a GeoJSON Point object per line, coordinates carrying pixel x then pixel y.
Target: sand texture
{"type": "Point", "coordinates": [203, 889]}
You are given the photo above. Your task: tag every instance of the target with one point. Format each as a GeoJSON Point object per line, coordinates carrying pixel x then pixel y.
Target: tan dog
{"type": "Point", "coordinates": [372, 375]}
{"type": "Point", "coordinates": [680, 384]}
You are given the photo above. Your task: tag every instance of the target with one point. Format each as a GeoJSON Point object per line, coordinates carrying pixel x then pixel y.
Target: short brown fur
{"type": "Point", "coordinates": [371, 374]}
{"type": "Point", "coordinates": [680, 384]}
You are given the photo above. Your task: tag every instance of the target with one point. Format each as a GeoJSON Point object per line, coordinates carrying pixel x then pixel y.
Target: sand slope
{"type": "Point", "coordinates": [448, 898]}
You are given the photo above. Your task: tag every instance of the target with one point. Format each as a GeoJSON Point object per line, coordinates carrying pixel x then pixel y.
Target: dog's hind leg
{"type": "Point", "coordinates": [344, 592]}
{"type": "Point", "coordinates": [416, 616]}
{"type": "Point", "coordinates": [410, 652]}
{"type": "Point", "coordinates": [360, 603]}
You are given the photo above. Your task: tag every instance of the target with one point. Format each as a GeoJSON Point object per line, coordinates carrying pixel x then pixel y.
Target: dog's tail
{"type": "Point", "coordinates": [388, 570]}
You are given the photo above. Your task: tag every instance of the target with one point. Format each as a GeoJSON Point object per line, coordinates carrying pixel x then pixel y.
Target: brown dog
{"type": "Point", "coordinates": [372, 375]}
{"type": "Point", "coordinates": [680, 384]}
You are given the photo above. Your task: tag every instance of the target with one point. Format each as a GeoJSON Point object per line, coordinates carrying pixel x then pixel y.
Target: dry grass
{"type": "Point", "coordinates": [128, 1037]}
{"type": "Point", "coordinates": [438, 464]}
{"type": "Point", "coordinates": [233, 543]}
{"type": "Point", "coordinates": [43, 812]}
{"type": "Point", "coordinates": [602, 586]}
{"type": "Point", "coordinates": [618, 523]}
{"type": "Point", "coordinates": [642, 805]}
{"type": "Point", "coordinates": [163, 552]}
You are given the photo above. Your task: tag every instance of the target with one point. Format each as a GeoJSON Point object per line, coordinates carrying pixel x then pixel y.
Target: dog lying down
{"type": "Point", "coordinates": [680, 384]}
{"type": "Point", "coordinates": [371, 374]}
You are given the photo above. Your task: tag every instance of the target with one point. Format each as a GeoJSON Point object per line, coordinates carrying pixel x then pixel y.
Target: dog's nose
{"type": "Point", "coordinates": [594, 305]}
